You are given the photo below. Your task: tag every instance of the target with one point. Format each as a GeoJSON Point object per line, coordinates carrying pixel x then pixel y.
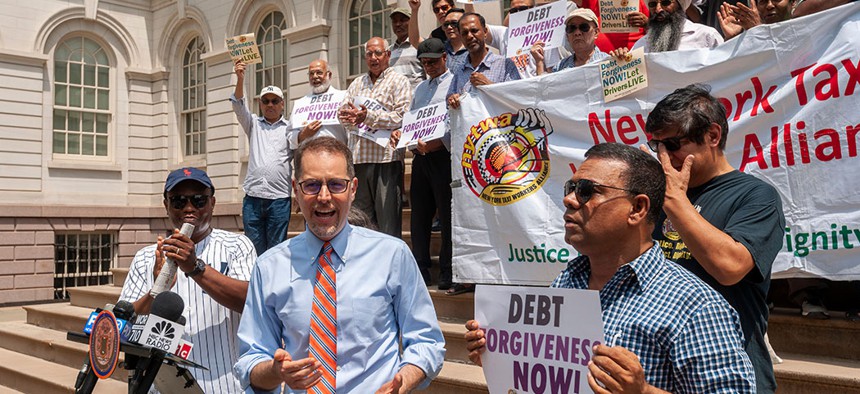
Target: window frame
{"type": "Point", "coordinates": [102, 276]}
{"type": "Point", "coordinates": [355, 45]}
{"type": "Point", "coordinates": [103, 83]}
{"type": "Point", "coordinates": [266, 26]}
{"type": "Point", "coordinates": [192, 62]}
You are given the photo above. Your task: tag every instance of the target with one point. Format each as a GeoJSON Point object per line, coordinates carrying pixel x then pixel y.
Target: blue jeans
{"type": "Point", "coordinates": [266, 221]}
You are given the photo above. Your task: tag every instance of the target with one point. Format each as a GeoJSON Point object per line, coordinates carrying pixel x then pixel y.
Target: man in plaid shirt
{"type": "Point", "coordinates": [378, 167]}
{"type": "Point", "coordinates": [666, 329]}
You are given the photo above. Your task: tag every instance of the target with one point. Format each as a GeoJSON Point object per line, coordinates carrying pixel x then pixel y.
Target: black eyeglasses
{"type": "Point", "coordinates": [584, 189]}
{"type": "Point", "coordinates": [197, 200]}
{"type": "Point", "coordinates": [672, 143]}
{"type": "Point", "coordinates": [663, 3]}
{"type": "Point", "coordinates": [274, 101]}
{"type": "Point", "coordinates": [514, 10]}
{"type": "Point", "coordinates": [313, 187]}
{"type": "Point", "coordinates": [453, 24]}
{"type": "Point", "coordinates": [583, 27]}
{"type": "Point", "coordinates": [443, 8]}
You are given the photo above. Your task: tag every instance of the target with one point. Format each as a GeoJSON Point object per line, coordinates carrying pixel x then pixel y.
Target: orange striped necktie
{"type": "Point", "coordinates": [323, 336]}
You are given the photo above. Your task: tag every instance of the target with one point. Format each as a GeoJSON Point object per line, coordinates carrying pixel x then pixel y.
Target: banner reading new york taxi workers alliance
{"type": "Point", "coordinates": [792, 93]}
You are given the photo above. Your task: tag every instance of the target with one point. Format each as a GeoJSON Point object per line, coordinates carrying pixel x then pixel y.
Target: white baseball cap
{"type": "Point", "coordinates": [271, 89]}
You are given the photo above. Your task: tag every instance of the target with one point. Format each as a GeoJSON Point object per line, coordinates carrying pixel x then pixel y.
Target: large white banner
{"type": "Point", "coordinates": [792, 91]}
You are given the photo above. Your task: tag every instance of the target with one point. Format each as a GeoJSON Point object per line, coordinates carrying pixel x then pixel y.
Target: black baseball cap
{"type": "Point", "coordinates": [432, 48]}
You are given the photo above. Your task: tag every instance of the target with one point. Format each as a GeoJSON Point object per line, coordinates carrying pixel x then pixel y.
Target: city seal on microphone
{"type": "Point", "coordinates": [104, 345]}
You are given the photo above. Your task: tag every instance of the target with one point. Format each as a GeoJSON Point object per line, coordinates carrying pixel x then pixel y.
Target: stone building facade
{"type": "Point", "coordinates": [100, 99]}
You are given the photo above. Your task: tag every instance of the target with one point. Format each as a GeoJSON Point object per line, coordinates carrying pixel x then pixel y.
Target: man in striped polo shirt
{"type": "Point", "coordinates": [216, 266]}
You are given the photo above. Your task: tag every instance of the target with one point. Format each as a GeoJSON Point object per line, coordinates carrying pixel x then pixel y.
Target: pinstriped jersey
{"type": "Point", "coordinates": [210, 326]}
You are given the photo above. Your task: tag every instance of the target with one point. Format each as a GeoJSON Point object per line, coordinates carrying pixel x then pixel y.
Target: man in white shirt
{"type": "Point", "coordinates": [319, 77]}
{"type": "Point", "coordinates": [670, 30]}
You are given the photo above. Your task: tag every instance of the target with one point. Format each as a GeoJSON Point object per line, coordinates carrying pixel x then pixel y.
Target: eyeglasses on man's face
{"type": "Point", "coordinates": [197, 200]}
{"type": "Point", "coordinates": [584, 189]}
{"type": "Point", "coordinates": [274, 101]}
{"type": "Point", "coordinates": [672, 144]}
{"type": "Point", "coordinates": [441, 8]}
{"type": "Point", "coordinates": [583, 27]}
{"type": "Point", "coordinates": [312, 187]}
{"type": "Point", "coordinates": [377, 53]}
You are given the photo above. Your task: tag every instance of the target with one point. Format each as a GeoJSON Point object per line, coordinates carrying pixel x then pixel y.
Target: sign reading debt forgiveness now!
{"type": "Point", "coordinates": [244, 48]}
{"type": "Point", "coordinates": [322, 107]}
{"type": "Point", "coordinates": [425, 123]}
{"type": "Point", "coordinates": [544, 23]}
{"type": "Point", "coordinates": [538, 340]}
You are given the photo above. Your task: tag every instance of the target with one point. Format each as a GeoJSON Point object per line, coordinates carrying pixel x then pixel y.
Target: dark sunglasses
{"type": "Point", "coordinates": [313, 187]}
{"type": "Point", "coordinates": [584, 189]}
{"type": "Point", "coordinates": [197, 200]}
{"type": "Point", "coordinates": [583, 27]}
{"type": "Point", "coordinates": [663, 3]}
{"type": "Point", "coordinates": [672, 144]}
{"type": "Point", "coordinates": [514, 10]}
{"type": "Point", "coordinates": [443, 8]}
{"type": "Point", "coordinates": [453, 24]}
{"type": "Point", "coordinates": [274, 101]}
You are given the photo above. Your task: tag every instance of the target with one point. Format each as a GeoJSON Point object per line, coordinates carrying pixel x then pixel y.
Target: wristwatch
{"type": "Point", "coordinates": [198, 269]}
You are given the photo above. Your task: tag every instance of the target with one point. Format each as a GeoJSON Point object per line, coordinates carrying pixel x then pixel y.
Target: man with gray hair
{"type": "Point", "coordinates": [319, 77]}
{"type": "Point", "coordinates": [374, 106]}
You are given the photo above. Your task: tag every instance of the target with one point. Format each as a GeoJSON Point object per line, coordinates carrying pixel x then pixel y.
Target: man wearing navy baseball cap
{"type": "Point", "coordinates": [215, 269]}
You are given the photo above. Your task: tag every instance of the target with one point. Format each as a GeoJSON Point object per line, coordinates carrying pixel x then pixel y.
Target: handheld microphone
{"type": "Point", "coordinates": [168, 269]}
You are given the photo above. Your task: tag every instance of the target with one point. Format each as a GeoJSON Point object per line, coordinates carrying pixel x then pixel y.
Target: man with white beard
{"type": "Point", "coordinates": [669, 29]}
{"type": "Point", "coordinates": [319, 77]}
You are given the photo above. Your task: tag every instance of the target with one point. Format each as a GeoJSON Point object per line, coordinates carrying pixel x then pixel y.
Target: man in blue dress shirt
{"type": "Point", "coordinates": [666, 329]}
{"type": "Point", "coordinates": [381, 299]}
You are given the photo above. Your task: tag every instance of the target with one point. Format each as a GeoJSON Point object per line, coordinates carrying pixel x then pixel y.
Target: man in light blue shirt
{"type": "Point", "coordinates": [380, 300]}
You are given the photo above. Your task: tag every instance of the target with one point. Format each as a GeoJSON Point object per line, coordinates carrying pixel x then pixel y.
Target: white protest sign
{"type": "Point", "coordinates": [538, 340]}
{"type": "Point", "coordinates": [791, 101]}
{"type": "Point", "coordinates": [244, 48]}
{"type": "Point", "coordinates": [322, 107]}
{"type": "Point", "coordinates": [613, 15]}
{"type": "Point", "coordinates": [622, 78]}
{"type": "Point", "coordinates": [544, 23]}
{"type": "Point", "coordinates": [427, 123]}
{"type": "Point", "coordinates": [378, 136]}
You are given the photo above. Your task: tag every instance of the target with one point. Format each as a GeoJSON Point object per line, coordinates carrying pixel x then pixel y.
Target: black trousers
{"type": "Point", "coordinates": [431, 190]}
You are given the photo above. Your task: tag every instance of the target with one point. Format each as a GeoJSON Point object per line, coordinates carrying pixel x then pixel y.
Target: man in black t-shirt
{"type": "Point", "coordinates": [723, 225]}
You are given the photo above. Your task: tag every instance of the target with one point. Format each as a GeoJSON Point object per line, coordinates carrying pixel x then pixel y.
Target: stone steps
{"type": "Point", "coordinates": [29, 374]}
{"type": "Point", "coordinates": [820, 356]}
{"type": "Point", "coordinates": [801, 373]}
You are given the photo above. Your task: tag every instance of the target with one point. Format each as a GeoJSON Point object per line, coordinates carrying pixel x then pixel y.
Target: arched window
{"type": "Point", "coordinates": [81, 98]}
{"type": "Point", "coordinates": [273, 50]}
{"type": "Point", "coordinates": [194, 98]}
{"type": "Point", "coordinates": [367, 18]}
